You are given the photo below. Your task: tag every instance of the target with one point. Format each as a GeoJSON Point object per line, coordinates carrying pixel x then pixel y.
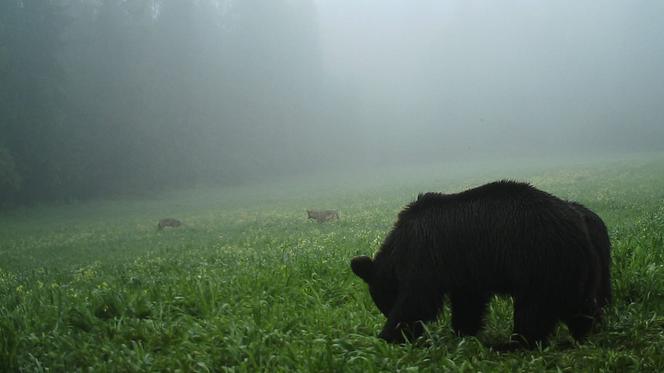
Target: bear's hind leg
{"type": "Point", "coordinates": [468, 313]}
{"type": "Point", "coordinates": [534, 321]}
{"type": "Point", "coordinates": [581, 323]}
{"type": "Point", "coordinates": [579, 326]}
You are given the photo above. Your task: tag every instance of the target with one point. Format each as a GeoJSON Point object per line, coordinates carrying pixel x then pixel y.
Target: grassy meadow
{"type": "Point", "coordinates": [249, 284]}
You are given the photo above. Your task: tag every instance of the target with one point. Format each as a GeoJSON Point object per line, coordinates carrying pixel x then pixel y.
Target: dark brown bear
{"type": "Point", "coordinates": [500, 238]}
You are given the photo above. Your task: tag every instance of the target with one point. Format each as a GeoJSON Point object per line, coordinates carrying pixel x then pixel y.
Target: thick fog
{"type": "Point", "coordinates": [102, 97]}
{"type": "Point", "coordinates": [440, 79]}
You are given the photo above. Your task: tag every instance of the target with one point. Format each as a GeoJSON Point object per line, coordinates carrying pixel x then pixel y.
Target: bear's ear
{"type": "Point", "coordinates": [363, 267]}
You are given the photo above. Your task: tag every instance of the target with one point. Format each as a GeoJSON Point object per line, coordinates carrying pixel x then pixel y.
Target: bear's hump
{"type": "Point", "coordinates": [502, 189]}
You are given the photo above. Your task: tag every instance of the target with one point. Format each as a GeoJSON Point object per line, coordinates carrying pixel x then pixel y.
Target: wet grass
{"type": "Point", "coordinates": [250, 285]}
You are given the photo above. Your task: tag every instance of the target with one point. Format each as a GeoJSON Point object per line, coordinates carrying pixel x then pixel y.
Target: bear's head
{"type": "Point", "coordinates": [382, 287]}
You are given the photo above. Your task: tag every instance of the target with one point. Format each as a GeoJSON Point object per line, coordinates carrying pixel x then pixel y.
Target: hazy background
{"type": "Point", "coordinates": [110, 97]}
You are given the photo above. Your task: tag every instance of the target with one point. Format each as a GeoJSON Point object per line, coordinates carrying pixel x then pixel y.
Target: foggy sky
{"type": "Point", "coordinates": [499, 77]}
{"type": "Point", "coordinates": [104, 97]}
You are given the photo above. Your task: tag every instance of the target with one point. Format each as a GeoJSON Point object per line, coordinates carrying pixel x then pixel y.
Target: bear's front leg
{"type": "Point", "coordinates": [409, 312]}
{"type": "Point", "coordinates": [534, 321]}
{"type": "Point", "coordinates": [468, 311]}
{"type": "Point", "coordinates": [401, 332]}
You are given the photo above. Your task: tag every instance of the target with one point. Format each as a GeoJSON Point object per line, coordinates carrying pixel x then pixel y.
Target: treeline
{"type": "Point", "coordinates": [117, 96]}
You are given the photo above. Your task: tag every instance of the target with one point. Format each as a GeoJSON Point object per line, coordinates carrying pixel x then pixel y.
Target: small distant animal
{"type": "Point", "coordinates": [168, 222]}
{"type": "Point", "coordinates": [322, 216]}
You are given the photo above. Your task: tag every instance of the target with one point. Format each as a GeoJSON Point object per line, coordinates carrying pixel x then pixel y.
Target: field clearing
{"type": "Point", "coordinates": [249, 284]}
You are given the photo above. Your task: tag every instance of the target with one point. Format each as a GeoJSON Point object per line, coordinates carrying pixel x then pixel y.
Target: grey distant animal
{"type": "Point", "coordinates": [323, 215]}
{"type": "Point", "coordinates": [168, 222]}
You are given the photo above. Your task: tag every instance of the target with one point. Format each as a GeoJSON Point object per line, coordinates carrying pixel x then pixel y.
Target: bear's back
{"type": "Point", "coordinates": [503, 192]}
{"type": "Point", "coordinates": [494, 234]}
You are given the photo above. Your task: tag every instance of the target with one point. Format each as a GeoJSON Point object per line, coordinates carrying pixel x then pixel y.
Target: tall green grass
{"type": "Point", "coordinates": [248, 284]}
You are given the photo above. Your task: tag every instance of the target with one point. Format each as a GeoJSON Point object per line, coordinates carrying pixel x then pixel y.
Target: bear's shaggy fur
{"type": "Point", "coordinates": [599, 237]}
{"type": "Point", "coordinates": [500, 238]}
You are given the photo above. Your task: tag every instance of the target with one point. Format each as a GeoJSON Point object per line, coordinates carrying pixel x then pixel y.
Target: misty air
{"type": "Point", "coordinates": [318, 185]}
